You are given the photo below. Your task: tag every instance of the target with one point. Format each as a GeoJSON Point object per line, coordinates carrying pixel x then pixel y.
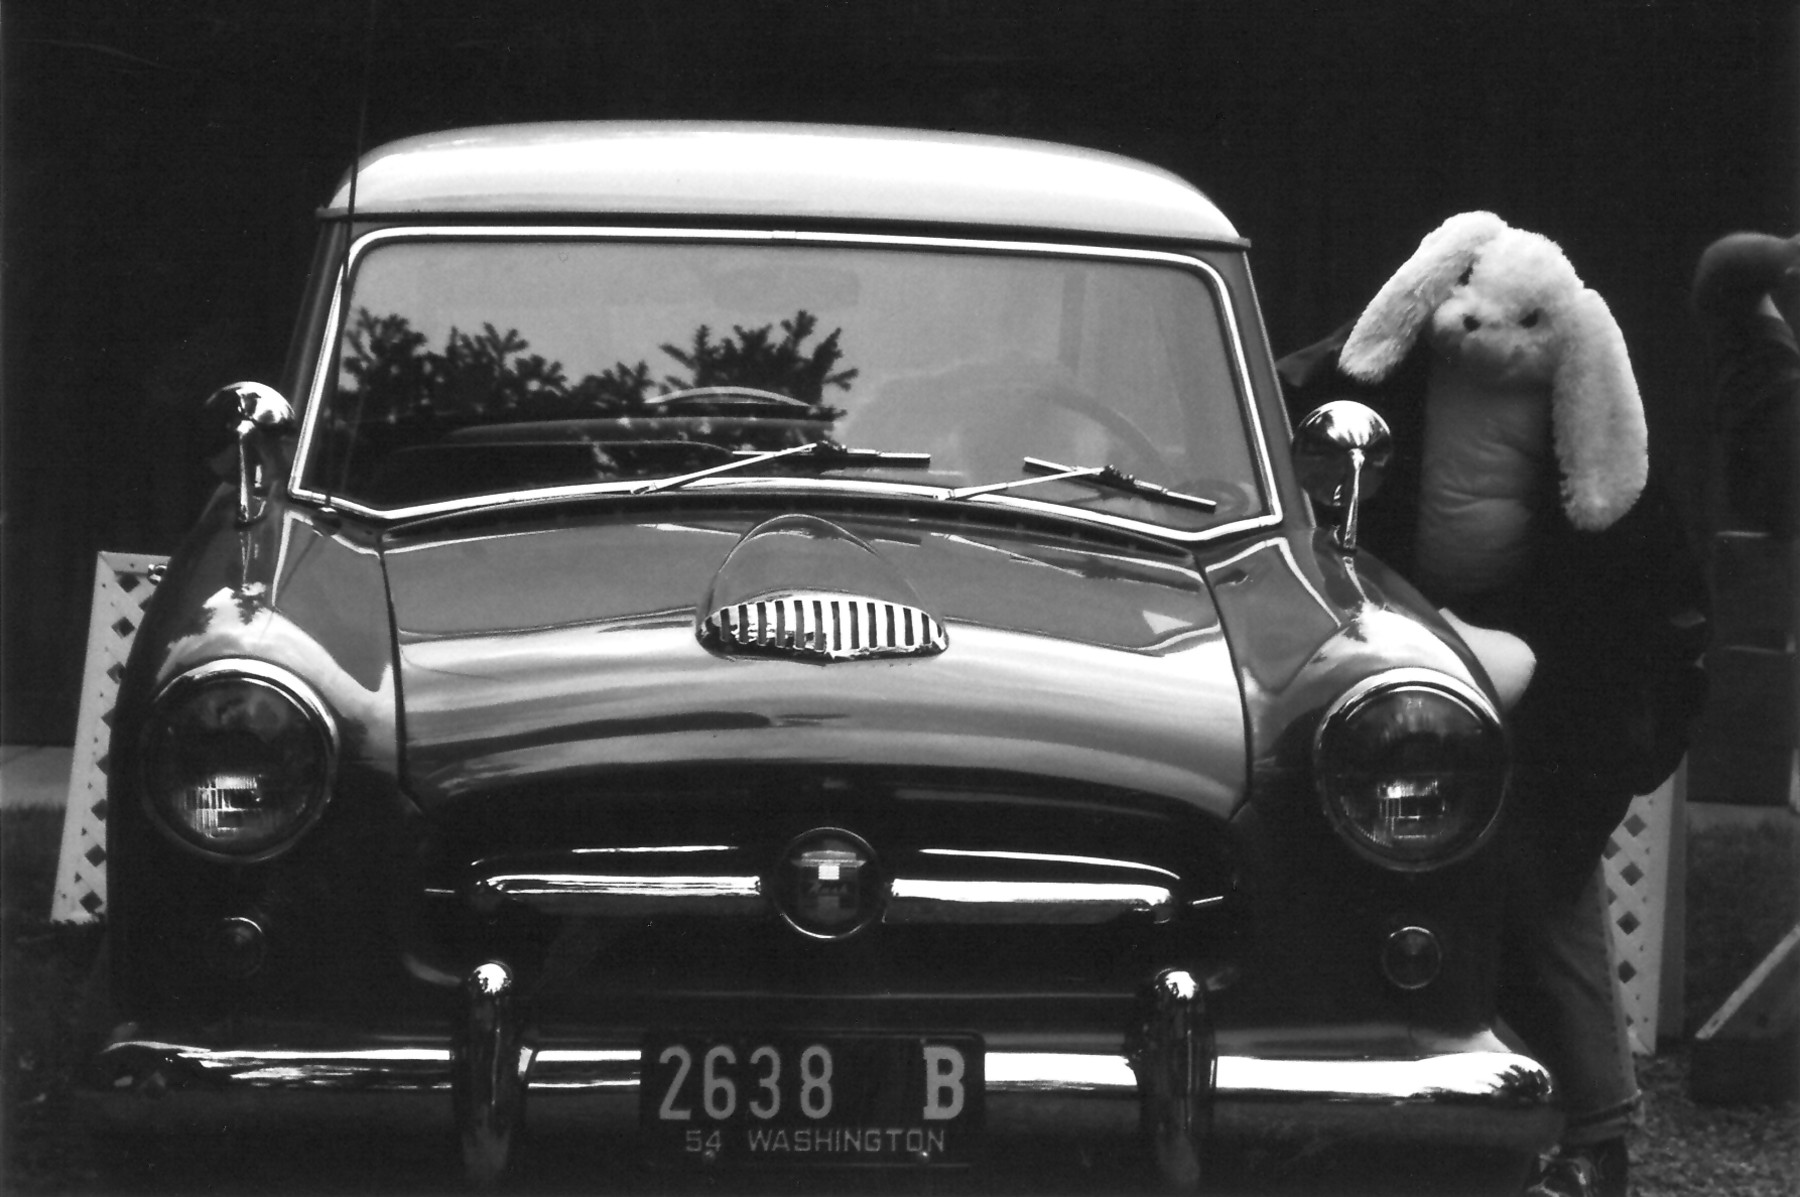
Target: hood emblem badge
{"type": "Point", "coordinates": [824, 626]}
{"type": "Point", "coordinates": [829, 886]}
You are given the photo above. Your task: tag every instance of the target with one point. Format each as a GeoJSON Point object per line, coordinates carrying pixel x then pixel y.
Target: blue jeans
{"type": "Point", "coordinates": [1559, 996]}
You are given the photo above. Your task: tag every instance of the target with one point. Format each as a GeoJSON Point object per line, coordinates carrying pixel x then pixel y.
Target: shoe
{"type": "Point", "coordinates": [1560, 1175]}
{"type": "Point", "coordinates": [1585, 1170]}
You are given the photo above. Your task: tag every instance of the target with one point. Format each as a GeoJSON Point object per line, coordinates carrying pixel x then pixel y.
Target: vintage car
{"type": "Point", "coordinates": [804, 647]}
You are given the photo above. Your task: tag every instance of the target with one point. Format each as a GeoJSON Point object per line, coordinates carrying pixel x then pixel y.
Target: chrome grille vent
{"type": "Point", "coordinates": [824, 625]}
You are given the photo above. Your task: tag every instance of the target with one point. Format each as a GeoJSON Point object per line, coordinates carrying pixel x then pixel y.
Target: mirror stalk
{"type": "Point", "coordinates": [262, 414]}
{"type": "Point", "coordinates": [1341, 451]}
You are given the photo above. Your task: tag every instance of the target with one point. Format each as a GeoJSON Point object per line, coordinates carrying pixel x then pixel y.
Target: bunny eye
{"type": "Point", "coordinates": [1531, 318]}
{"type": "Point", "coordinates": [1462, 280]}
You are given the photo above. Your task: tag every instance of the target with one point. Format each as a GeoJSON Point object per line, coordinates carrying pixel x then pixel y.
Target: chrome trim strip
{"type": "Point", "coordinates": [1060, 1072]}
{"type": "Point", "coordinates": [1407, 677]}
{"type": "Point", "coordinates": [1005, 903]}
{"type": "Point", "coordinates": [322, 370]}
{"type": "Point", "coordinates": [624, 895]}
{"type": "Point", "coordinates": [1247, 407]}
{"type": "Point", "coordinates": [911, 901]}
{"type": "Point", "coordinates": [1050, 858]}
{"type": "Point", "coordinates": [1471, 1076]}
{"type": "Point", "coordinates": [575, 1069]}
{"type": "Point", "coordinates": [648, 849]}
{"type": "Point", "coordinates": [270, 1067]}
{"type": "Point", "coordinates": [275, 676]}
{"type": "Point", "coordinates": [1268, 357]}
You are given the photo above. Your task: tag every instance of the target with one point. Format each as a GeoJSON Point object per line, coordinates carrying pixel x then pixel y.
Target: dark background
{"type": "Point", "coordinates": [163, 160]}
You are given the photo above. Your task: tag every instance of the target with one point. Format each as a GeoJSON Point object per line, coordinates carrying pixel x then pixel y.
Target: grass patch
{"type": "Point", "coordinates": [43, 967]}
{"type": "Point", "coordinates": [30, 840]}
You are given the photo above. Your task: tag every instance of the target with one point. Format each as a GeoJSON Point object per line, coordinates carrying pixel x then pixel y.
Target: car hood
{"type": "Point", "coordinates": [549, 652]}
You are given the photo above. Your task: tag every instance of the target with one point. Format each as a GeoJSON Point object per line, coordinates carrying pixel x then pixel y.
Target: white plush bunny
{"type": "Point", "coordinates": [1529, 373]}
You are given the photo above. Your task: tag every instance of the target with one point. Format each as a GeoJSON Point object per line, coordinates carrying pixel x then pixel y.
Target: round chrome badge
{"type": "Point", "coordinates": [828, 885]}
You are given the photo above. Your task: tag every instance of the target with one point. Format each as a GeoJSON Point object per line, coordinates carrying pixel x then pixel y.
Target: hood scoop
{"type": "Point", "coordinates": [800, 586]}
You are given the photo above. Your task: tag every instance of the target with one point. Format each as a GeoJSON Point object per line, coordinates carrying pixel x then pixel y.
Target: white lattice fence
{"type": "Point", "coordinates": [1638, 863]}
{"type": "Point", "coordinates": [123, 583]}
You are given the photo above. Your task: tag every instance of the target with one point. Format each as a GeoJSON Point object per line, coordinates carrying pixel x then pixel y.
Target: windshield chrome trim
{"type": "Point", "coordinates": [1247, 405]}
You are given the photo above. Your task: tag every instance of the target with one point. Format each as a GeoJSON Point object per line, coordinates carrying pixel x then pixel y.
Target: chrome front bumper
{"type": "Point", "coordinates": [1168, 1083]}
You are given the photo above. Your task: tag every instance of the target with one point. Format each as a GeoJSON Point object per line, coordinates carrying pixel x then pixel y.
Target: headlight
{"type": "Point", "coordinates": [1411, 767]}
{"type": "Point", "coordinates": [238, 759]}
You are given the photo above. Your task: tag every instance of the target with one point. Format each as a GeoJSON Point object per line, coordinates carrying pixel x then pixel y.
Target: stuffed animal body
{"type": "Point", "coordinates": [1487, 452]}
{"type": "Point", "coordinates": [1520, 497]}
{"type": "Point", "coordinates": [1530, 396]}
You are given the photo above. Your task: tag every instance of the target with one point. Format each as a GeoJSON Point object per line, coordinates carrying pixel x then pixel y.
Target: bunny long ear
{"type": "Point", "coordinates": [1602, 442]}
{"type": "Point", "coordinates": [1385, 332]}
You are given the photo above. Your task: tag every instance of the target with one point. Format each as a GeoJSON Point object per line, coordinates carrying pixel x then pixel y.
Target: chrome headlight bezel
{"type": "Point", "coordinates": [1430, 817]}
{"type": "Point", "coordinates": [306, 718]}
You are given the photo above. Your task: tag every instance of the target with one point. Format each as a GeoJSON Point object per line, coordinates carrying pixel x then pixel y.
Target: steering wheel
{"type": "Point", "coordinates": [1147, 458]}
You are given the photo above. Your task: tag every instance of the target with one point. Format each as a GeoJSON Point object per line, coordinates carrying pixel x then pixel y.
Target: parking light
{"type": "Point", "coordinates": [1411, 957]}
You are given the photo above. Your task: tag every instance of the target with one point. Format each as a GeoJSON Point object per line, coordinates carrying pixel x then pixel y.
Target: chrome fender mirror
{"type": "Point", "coordinates": [1341, 451]}
{"type": "Point", "coordinates": [261, 415]}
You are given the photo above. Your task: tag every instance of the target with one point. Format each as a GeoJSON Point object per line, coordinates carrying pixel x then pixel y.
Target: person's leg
{"type": "Point", "coordinates": [1578, 970]}
{"type": "Point", "coordinates": [1561, 999]}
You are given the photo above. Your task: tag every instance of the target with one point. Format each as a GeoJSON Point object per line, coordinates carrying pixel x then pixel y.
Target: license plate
{"type": "Point", "coordinates": [833, 1100]}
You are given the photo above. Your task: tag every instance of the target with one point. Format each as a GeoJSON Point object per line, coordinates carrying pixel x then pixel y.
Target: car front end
{"type": "Point", "coordinates": [830, 668]}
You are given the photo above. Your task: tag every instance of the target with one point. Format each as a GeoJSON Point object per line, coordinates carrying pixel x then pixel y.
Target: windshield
{"type": "Point", "coordinates": [476, 365]}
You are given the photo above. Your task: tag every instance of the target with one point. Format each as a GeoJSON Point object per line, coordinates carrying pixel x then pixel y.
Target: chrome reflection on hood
{"type": "Point", "coordinates": [804, 587]}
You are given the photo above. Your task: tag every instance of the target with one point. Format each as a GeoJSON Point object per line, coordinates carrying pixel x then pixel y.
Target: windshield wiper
{"type": "Point", "coordinates": [1110, 477]}
{"type": "Point", "coordinates": [829, 454]}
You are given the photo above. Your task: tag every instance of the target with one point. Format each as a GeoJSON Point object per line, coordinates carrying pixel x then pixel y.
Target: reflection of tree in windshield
{"type": "Point", "coordinates": [750, 360]}
{"type": "Point", "coordinates": [412, 423]}
{"type": "Point", "coordinates": [391, 376]}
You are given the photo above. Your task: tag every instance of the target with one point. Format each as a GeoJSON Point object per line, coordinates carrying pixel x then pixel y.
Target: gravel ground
{"type": "Point", "coordinates": [1742, 897]}
{"type": "Point", "coordinates": [1687, 1150]}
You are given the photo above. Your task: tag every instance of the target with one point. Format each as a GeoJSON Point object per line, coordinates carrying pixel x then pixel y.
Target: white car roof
{"type": "Point", "coordinates": [763, 172]}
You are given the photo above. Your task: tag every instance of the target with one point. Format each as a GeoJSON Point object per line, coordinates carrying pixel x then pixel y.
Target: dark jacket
{"type": "Point", "coordinates": [1617, 618]}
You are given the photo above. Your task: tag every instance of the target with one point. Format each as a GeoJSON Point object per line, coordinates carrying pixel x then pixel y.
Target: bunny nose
{"type": "Point", "coordinates": [1470, 323]}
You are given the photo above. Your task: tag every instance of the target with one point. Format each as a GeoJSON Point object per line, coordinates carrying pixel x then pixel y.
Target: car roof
{"type": "Point", "coordinates": [800, 173]}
